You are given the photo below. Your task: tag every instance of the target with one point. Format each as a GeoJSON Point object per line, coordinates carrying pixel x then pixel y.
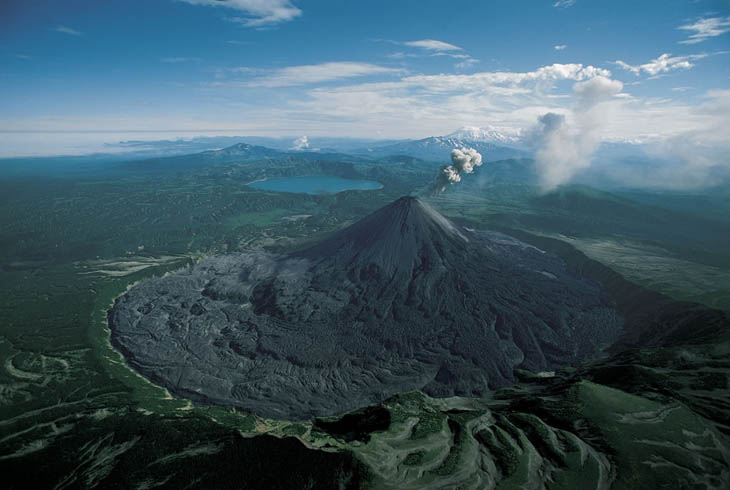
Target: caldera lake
{"type": "Point", "coordinates": [320, 184]}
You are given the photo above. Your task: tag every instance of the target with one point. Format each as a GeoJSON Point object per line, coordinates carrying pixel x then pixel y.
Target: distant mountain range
{"type": "Point", "coordinates": [614, 164]}
{"type": "Point", "coordinates": [490, 134]}
{"type": "Point", "coordinates": [489, 142]}
{"type": "Point", "coordinates": [492, 143]}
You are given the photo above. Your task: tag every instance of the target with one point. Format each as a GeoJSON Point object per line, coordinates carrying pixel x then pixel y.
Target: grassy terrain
{"type": "Point", "coordinates": [569, 431]}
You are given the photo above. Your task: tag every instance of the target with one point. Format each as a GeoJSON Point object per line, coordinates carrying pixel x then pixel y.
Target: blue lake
{"type": "Point", "coordinates": [315, 185]}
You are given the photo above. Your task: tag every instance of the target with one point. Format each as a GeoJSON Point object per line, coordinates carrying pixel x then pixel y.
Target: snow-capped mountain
{"type": "Point", "coordinates": [489, 134]}
{"type": "Point", "coordinates": [492, 143]}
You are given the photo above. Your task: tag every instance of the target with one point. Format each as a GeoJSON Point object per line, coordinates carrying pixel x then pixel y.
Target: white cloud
{"type": "Point", "coordinates": [597, 88]}
{"type": "Point", "coordinates": [662, 64]}
{"type": "Point", "coordinates": [560, 47]}
{"type": "Point", "coordinates": [493, 80]}
{"type": "Point", "coordinates": [466, 62]}
{"type": "Point", "coordinates": [564, 3]}
{"type": "Point", "coordinates": [300, 144]}
{"type": "Point", "coordinates": [324, 72]}
{"type": "Point", "coordinates": [565, 148]}
{"type": "Point", "coordinates": [439, 48]}
{"type": "Point", "coordinates": [258, 12]}
{"type": "Point", "coordinates": [433, 45]}
{"type": "Point", "coordinates": [691, 153]}
{"type": "Point", "coordinates": [705, 28]}
{"type": "Point", "coordinates": [68, 30]}
{"type": "Point", "coordinates": [595, 109]}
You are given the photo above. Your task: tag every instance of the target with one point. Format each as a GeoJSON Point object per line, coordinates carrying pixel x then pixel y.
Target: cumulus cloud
{"type": "Point", "coordinates": [323, 72]}
{"type": "Point", "coordinates": [485, 80]}
{"type": "Point", "coordinates": [463, 161]}
{"type": "Point", "coordinates": [662, 64]}
{"type": "Point", "coordinates": [68, 30]}
{"type": "Point", "coordinates": [257, 12]}
{"type": "Point", "coordinates": [563, 149]}
{"type": "Point", "coordinates": [592, 91]}
{"type": "Point", "coordinates": [560, 47]}
{"type": "Point", "coordinates": [300, 144]}
{"type": "Point", "coordinates": [705, 28]}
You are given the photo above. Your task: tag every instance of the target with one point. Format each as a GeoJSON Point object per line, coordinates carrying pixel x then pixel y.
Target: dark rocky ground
{"type": "Point", "coordinates": [401, 300]}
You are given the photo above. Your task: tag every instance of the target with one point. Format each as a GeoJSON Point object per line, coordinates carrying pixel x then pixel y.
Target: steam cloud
{"type": "Point", "coordinates": [563, 149]}
{"type": "Point", "coordinates": [463, 161]}
{"type": "Point", "coordinates": [301, 143]}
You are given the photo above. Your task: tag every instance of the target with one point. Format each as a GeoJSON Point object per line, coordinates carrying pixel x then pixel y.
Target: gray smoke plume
{"type": "Point", "coordinates": [463, 161]}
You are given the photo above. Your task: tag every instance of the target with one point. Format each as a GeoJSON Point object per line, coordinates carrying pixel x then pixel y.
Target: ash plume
{"type": "Point", "coordinates": [463, 161]}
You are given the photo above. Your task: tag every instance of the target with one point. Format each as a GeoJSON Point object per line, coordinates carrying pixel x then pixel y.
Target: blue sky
{"type": "Point", "coordinates": [373, 69]}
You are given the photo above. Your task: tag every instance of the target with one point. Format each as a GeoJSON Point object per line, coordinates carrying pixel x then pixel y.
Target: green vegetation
{"type": "Point", "coordinates": [415, 458]}
{"type": "Point", "coordinates": [451, 463]}
{"type": "Point", "coordinates": [429, 422]}
{"type": "Point", "coordinates": [73, 414]}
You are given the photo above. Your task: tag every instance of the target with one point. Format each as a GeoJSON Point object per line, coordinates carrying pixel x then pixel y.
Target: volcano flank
{"type": "Point", "coordinates": [403, 299]}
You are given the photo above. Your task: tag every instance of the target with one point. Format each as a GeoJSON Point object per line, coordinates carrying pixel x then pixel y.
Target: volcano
{"type": "Point", "coordinates": [403, 299]}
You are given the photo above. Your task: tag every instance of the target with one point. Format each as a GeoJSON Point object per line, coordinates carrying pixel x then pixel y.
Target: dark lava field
{"type": "Point", "coordinates": [402, 300]}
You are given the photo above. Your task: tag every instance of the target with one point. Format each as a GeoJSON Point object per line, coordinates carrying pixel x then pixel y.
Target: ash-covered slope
{"type": "Point", "coordinates": [399, 238]}
{"type": "Point", "coordinates": [401, 300]}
